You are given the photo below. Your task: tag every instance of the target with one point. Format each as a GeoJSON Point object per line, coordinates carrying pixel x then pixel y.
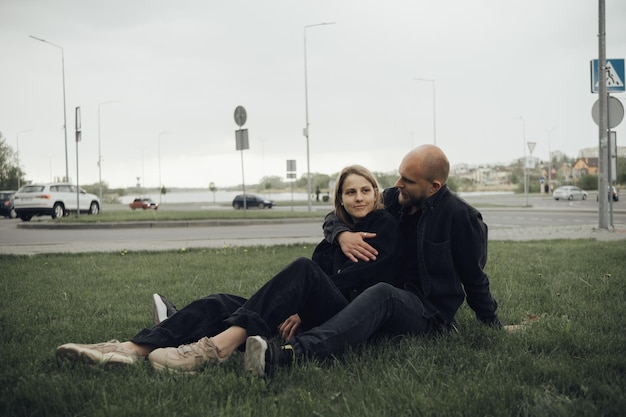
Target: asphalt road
{"type": "Point", "coordinates": [510, 220]}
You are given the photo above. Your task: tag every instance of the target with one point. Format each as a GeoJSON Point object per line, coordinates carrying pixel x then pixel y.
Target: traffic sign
{"type": "Point", "coordinates": [614, 76]}
{"type": "Point", "coordinates": [616, 112]}
{"type": "Point", "coordinates": [240, 116]}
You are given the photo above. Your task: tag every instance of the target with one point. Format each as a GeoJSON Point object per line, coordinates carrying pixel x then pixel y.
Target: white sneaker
{"type": "Point", "coordinates": [162, 308]}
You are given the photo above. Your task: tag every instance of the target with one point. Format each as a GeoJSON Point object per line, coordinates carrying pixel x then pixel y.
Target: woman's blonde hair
{"type": "Point", "coordinates": [361, 171]}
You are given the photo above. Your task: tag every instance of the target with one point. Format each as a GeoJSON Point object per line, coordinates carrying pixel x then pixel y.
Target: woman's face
{"type": "Point", "coordinates": [358, 196]}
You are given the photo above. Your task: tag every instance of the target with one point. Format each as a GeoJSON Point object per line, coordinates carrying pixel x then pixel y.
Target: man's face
{"type": "Point", "coordinates": [413, 187]}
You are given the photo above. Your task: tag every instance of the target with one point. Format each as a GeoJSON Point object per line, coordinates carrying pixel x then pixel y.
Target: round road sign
{"type": "Point", "coordinates": [240, 116]}
{"type": "Point", "coordinates": [616, 112]}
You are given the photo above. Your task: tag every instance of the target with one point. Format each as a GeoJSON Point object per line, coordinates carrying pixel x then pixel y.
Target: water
{"type": "Point", "coordinates": [227, 196]}
{"type": "Point", "coordinates": [209, 197]}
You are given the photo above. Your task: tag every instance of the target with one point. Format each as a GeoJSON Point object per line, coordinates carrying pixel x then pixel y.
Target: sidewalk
{"type": "Point", "coordinates": [618, 232]}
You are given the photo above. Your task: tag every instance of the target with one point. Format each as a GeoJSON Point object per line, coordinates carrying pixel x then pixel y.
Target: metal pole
{"type": "Point", "coordinates": [67, 170]}
{"type": "Point", "coordinates": [524, 160]}
{"type": "Point", "coordinates": [159, 143]}
{"type": "Point", "coordinates": [306, 110]}
{"type": "Point", "coordinates": [603, 221]}
{"type": "Point", "coordinates": [550, 160]}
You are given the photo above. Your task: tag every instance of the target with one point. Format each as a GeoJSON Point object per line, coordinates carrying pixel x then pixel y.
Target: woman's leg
{"type": "Point", "coordinates": [200, 318]}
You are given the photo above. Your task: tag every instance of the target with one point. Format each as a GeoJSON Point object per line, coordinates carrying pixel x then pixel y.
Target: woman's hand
{"type": "Point", "coordinates": [354, 246]}
{"type": "Point", "coordinates": [289, 327]}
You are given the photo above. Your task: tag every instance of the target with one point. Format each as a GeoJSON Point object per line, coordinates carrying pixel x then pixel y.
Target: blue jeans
{"type": "Point", "coordinates": [381, 308]}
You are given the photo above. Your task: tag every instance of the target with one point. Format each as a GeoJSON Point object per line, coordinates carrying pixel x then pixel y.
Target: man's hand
{"type": "Point", "coordinates": [354, 246]}
{"type": "Point", "coordinates": [289, 327]}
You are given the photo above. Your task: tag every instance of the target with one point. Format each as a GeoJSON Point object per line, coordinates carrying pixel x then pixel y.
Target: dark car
{"type": "Point", "coordinates": [612, 194]}
{"type": "Point", "coordinates": [252, 201]}
{"type": "Point", "coordinates": [6, 204]}
{"type": "Point", "coordinates": [144, 204]}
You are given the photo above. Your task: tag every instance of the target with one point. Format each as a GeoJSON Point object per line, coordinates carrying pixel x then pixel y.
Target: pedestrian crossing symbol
{"type": "Point", "coordinates": [614, 76]}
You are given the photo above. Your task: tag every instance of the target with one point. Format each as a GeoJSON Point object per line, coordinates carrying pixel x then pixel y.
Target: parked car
{"type": "Point", "coordinates": [54, 199]}
{"type": "Point", "coordinates": [144, 204]}
{"type": "Point", "coordinates": [6, 204]}
{"type": "Point", "coordinates": [252, 201]}
{"type": "Point", "coordinates": [612, 193]}
{"type": "Point", "coordinates": [569, 192]}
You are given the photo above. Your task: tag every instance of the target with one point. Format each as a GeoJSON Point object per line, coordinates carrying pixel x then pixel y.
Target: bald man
{"type": "Point", "coordinates": [441, 255]}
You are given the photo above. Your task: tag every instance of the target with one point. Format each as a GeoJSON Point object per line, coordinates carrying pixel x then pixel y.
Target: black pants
{"type": "Point", "coordinates": [302, 287]}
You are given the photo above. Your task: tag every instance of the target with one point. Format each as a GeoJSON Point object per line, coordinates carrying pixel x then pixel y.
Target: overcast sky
{"type": "Point", "coordinates": [502, 68]}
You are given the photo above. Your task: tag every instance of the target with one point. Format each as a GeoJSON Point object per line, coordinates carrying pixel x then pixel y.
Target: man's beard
{"type": "Point", "coordinates": [408, 201]}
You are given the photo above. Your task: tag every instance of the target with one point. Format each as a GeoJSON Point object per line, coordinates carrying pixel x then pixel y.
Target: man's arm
{"type": "Point", "coordinates": [352, 244]}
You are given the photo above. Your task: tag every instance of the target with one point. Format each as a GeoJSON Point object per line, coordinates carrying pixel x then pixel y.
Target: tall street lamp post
{"type": "Point", "coordinates": [434, 108]}
{"type": "Point", "coordinates": [159, 146]}
{"type": "Point", "coordinates": [524, 159]}
{"type": "Point", "coordinates": [17, 154]}
{"type": "Point", "coordinates": [306, 110]}
{"type": "Point", "coordinates": [99, 150]}
{"type": "Point", "coordinates": [549, 131]}
{"type": "Point", "coordinates": [67, 170]}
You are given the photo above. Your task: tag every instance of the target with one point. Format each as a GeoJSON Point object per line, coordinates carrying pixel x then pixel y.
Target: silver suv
{"type": "Point", "coordinates": [55, 199]}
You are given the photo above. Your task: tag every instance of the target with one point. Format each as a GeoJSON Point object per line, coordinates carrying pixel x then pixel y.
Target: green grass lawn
{"type": "Point", "coordinates": [569, 361]}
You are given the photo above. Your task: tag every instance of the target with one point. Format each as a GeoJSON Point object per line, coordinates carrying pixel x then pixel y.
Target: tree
{"type": "Point", "coordinates": [10, 174]}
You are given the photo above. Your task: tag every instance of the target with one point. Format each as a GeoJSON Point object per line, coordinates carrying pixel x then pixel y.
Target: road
{"type": "Point", "coordinates": [509, 219]}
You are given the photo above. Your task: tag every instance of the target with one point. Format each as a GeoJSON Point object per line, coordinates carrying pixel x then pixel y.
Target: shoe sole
{"type": "Point", "coordinates": [254, 360]}
{"type": "Point", "coordinates": [73, 353]}
{"type": "Point", "coordinates": [162, 368]}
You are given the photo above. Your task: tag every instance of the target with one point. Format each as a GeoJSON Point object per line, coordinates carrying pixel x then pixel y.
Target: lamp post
{"type": "Point", "coordinates": [306, 110]}
{"type": "Point", "coordinates": [524, 159]}
{"type": "Point", "coordinates": [67, 170]}
{"type": "Point", "coordinates": [549, 131]}
{"type": "Point", "coordinates": [17, 154]}
{"type": "Point", "coordinates": [159, 146]}
{"type": "Point", "coordinates": [99, 150]}
{"type": "Point", "coordinates": [434, 108]}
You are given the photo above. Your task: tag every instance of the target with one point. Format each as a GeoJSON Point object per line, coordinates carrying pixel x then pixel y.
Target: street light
{"type": "Point", "coordinates": [159, 143]}
{"type": "Point", "coordinates": [306, 110]}
{"type": "Point", "coordinates": [99, 153]}
{"type": "Point", "coordinates": [67, 170]}
{"type": "Point", "coordinates": [549, 131]}
{"type": "Point", "coordinates": [17, 154]}
{"type": "Point", "coordinates": [434, 108]}
{"type": "Point", "coordinates": [524, 160]}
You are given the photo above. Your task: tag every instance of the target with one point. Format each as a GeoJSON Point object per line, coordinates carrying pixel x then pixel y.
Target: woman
{"type": "Point", "coordinates": [315, 291]}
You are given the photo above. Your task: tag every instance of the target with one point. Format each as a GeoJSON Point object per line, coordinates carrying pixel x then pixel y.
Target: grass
{"type": "Point", "coordinates": [569, 361]}
{"type": "Point", "coordinates": [182, 215]}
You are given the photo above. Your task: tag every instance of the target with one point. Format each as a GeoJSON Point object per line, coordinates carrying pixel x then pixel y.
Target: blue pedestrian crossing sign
{"type": "Point", "coordinates": [614, 75]}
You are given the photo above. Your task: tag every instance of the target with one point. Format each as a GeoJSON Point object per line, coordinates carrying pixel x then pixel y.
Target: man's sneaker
{"type": "Point", "coordinates": [162, 308]}
{"type": "Point", "coordinates": [110, 353]}
{"type": "Point", "coordinates": [263, 357]}
{"type": "Point", "coordinates": [186, 358]}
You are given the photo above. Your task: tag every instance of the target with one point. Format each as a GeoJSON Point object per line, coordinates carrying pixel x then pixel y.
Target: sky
{"type": "Point", "coordinates": [158, 81]}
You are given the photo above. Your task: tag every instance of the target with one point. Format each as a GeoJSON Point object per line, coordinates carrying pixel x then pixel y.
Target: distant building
{"type": "Point", "coordinates": [593, 152]}
{"type": "Point", "coordinates": [585, 166]}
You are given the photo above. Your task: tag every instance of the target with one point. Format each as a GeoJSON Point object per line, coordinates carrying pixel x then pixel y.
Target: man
{"type": "Point", "coordinates": [441, 256]}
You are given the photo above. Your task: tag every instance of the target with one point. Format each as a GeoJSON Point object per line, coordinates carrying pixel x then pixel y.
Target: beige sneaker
{"type": "Point", "coordinates": [186, 358]}
{"type": "Point", "coordinates": [109, 353]}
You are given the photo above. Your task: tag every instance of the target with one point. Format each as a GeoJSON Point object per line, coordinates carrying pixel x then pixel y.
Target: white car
{"type": "Point", "coordinates": [55, 199]}
{"type": "Point", "coordinates": [569, 192]}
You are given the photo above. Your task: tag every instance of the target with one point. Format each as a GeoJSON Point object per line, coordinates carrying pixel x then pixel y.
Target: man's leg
{"type": "Point", "coordinates": [380, 308]}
